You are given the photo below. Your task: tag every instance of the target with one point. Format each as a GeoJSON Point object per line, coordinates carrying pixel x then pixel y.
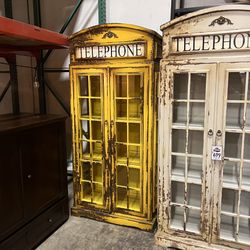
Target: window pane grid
{"type": "Point", "coordinates": [92, 182]}
{"type": "Point", "coordinates": [90, 133]}
{"type": "Point", "coordinates": [187, 174]}
{"type": "Point", "coordinates": [128, 141]}
{"type": "Point", "coordinates": [234, 166]}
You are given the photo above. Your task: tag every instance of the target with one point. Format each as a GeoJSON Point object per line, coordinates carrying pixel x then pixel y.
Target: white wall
{"type": "Point", "coordinates": [148, 13]}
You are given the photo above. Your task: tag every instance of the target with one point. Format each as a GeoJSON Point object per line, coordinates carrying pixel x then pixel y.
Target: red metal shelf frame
{"type": "Point", "coordinates": [25, 39]}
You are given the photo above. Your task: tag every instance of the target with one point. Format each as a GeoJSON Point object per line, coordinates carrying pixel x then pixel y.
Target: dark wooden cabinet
{"type": "Point", "coordinates": [33, 179]}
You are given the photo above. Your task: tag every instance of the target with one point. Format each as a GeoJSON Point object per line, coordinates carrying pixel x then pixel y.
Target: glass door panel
{"type": "Point", "coordinates": [90, 120]}
{"type": "Point", "coordinates": [128, 128]}
{"type": "Point", "coordinates": [235, 200]}
{"type": "Point", "coordinates": [188, 152]}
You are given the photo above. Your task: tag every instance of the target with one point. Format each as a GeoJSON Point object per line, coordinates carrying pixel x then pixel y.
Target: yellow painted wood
{"type": "Point", "coordinates": [115, 182]}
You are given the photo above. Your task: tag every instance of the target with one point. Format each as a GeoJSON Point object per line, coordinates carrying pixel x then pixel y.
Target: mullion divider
{"type": "Point", "coordinates": [241, 158]}
{"type": "Point", "coordinates": [186, 154]}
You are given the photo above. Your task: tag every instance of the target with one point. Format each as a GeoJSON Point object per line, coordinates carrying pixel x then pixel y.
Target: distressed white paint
{"type": "Point", "coordinates": [219, 193]}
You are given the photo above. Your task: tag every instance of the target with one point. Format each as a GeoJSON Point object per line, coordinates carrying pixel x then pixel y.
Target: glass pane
{"type": "Point", "coordinates": [180, 85]}
{"type": "Point", "coordinates": [134, 154]}
{"type": "Point", "coordinates": [96, 130]}
{"type": "Point", "coordinates": [246, 175]}
{"type": "Point", "coordinates": [83, 81]}
{"type": "Point", "coordinates": [121, 197]}
{"type": "Point", "coordinates": [97, 193]}
{"type": "Point", "coordinates": [248, 91]}
{"type": "Point", "coordinates": [86, 191]}
{"type": "Point", "coordinates": [97, 172]}
{"type": "Point", "coordinates": [121, 151]}
{"type": "Point", "coordinates": [228, 227]}
{"type": "Point", "coordinates": [177, 192]}
{"type": "Point", "coordinates": [194, 169]}
{"type": "Point", "coordinates": [85, 149]}
{"type": "Point", "coordinates": [193, 220]}
{"type": "Point", "coordinates": [194, 195]}
{"type": "Point", "coordinates": [134, 108]}
{"type": "Point", "coordinates": [134, 133]}
{"type": "Point", "coordinates": [134, 85]}
{"type": "Point", "coordinates": [121, 108]}
{"type": "Point", "coordinates": [95, 85]}
{"type": "Point", "coordinates": [178, 140]}
{"type": "Point", "coordinates": [248, 115]}
{"type": "Point", "coordinates": [97, 149]}
{"type": "Point", "coordinates": [134, 178]}
{"type": "Point", "coordinates": [134, 200]}
{"type": "Point", "coordinates": [233, 145]}
{"type": "Point", "coordinates": [231, 173]}
{"type": "Point", "coordinates": [195, 142]}
{"type": "Point", "coordinates": [236, 86]}
{"type": "Point", "coordinates": [178, 166]}
{"type": "Point", "coordinates": [85, 129]}
{"type": "Point", "coordinates": [196, 113]}
{"type": "Point", "coordinates": [121, 132]}
{"type": "Point", "coordinates": [245, 203]}
{"type": "Point", "coordinates": [244, 231]}
{"type": "Point", "coordinates": [86, 171]}
{"type": "Point", "coordinates": [198, 86]}
{"type": "Point", "coordinates": [121, 86]}
{"type": "Point", "coordinates": [122, 176]}
{"type": "Point", "coordinates": [96, 107]}
{"type": "Point", "coordinates": [84, 107]}
{"type": "Point", "coordinates": [177, 217]}
{"type": "Point", "coordinates": [180, 112]}
{"type": "Point", "coordinates": [229, 200]}
{"type": "Point", "coordinates": [247, 146]}
{"type": "Point", "coordinates": [235, 112]}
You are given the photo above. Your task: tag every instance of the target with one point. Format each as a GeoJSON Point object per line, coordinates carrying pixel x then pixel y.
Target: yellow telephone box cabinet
{"type": "Point", "coordinates": [114, 72]}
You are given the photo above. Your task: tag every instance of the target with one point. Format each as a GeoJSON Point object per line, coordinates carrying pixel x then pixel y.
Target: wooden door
{"type": "Point", "coordinates": [129, 112]}
{"type": "Point", "coordinates": [91, 136]}
{"type": "Point", "coordinates": [232, 215]}
{"type": "Point", "coordinates": [187, 128]}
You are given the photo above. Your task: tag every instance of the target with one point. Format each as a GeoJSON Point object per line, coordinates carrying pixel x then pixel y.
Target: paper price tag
{"type": "Point", "coordinates": [216, 153]}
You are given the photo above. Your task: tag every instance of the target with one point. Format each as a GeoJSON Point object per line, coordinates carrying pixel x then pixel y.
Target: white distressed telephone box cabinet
{"type": "Point", "coordinates": [204, 130]}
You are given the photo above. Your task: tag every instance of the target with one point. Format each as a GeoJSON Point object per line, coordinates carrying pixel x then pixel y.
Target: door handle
{"type": "Point", "coordinates": [218, 133]}
{"type": "Point", "coordinates": [210, 132]}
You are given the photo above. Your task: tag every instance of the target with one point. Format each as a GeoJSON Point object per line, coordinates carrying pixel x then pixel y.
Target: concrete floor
{"type": "Point", "coordinates": [82, 233]}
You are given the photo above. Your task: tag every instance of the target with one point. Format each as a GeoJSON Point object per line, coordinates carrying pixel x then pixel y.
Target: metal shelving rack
{"type": "Point", "coordinates": [41, 70]}
{"type": "Point", "coordinates": [182, 10]}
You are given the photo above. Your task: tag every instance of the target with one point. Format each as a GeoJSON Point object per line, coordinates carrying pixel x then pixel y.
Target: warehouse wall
{"type": "Point", "coordinates": [150, 14]}
{"type": "Point", "coordinates": [147, 13]}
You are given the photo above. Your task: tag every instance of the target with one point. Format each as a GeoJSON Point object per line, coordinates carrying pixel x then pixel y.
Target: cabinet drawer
{"type": "Point", "coordinates": [39, 229]}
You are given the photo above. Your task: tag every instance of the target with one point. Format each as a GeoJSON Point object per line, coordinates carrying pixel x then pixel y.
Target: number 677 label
{"type": "Point", "coordinates": [216, 153]}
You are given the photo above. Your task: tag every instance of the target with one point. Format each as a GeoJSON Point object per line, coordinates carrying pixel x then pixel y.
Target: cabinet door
{"type": "Point", "coordinates": [91, 123]}
{"type": "Point", "coordinates": [233, 191]}
{"type": "Point", "coordinates": [186, 122]}
{"type": "Point", "coordinates": [43, 164]}
{"type": "Point", "coordinates": [11, 203]}
{"type": "Point", "coordinates": [129, 136]}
